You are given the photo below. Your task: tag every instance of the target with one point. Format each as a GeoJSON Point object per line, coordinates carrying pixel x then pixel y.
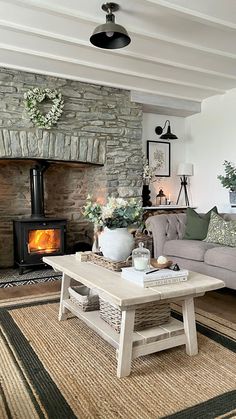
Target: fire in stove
{"type": "Point", "coordinates": [44, 241]}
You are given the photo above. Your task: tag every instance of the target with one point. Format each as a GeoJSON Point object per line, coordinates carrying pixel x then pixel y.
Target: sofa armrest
{"type": "Point", "coordinates": [165, 227]}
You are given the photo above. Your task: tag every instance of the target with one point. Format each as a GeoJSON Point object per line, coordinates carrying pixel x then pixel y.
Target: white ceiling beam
{"type": "Point", "coordinates": [172, 53]}
{"type": "Point", "coordinates": [57, 66]}
{"type": "Point", "coordinates": [194, 12]}
{"type": "Point", "coordinates": [128, 65]}
{"type": "Point", "coordinates": [165, 105]}
{"type": "Point", "coordinates": [141, 47]}
{"type": "Point", "coordinates": [194, 36]}
{"type": "Point", "coordinates": [216, 9]}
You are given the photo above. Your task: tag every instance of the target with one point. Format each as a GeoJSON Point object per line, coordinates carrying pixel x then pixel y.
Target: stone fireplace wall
{"type": "Point", "coordinates": [99, 125]}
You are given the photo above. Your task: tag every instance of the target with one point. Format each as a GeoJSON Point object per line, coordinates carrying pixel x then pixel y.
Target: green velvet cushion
{"type": "Point", "coordinates": [197, 225]}
{"type": "Point", "coordinates": [221, 231]}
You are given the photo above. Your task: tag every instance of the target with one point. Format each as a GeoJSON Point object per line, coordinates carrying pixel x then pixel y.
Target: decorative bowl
{"type": "Point", "coordinates": [155, 264]}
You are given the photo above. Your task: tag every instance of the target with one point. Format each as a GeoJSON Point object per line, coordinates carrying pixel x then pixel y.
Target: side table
{"type": "Point", "coordinates": [164, 209]}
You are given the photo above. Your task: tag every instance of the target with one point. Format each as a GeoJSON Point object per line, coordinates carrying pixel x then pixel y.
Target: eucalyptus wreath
{"type": "Point", "coordinates": [35, 96]}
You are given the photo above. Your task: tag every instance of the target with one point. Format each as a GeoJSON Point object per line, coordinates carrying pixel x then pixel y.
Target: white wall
{"type": "Point", "coordinates": [170, 185]}
{"type": "Point", "coordinates": [211, 139]}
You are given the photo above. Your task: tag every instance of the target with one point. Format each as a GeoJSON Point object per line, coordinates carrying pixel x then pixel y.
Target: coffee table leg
{"type": "Point", "coordinates": [190, 326]}
{"type": "Point", "coordinates": [126, 343]}
{"type": "Point", "coordinates": [66, 280]}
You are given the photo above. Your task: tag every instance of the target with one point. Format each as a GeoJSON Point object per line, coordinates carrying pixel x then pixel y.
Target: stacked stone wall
{"type": "Point", "coordinates": [99, 125]}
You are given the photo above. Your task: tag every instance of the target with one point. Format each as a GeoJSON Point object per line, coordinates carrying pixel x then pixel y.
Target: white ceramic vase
{"type": "Point", "coordinates": [116, 244]}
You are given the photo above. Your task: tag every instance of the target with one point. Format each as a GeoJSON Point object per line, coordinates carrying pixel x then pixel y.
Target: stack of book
{"type": "Point", "coordinates": [155, 278]}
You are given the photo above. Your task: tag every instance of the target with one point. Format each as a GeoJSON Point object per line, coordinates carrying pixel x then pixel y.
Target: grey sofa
{"type": "Point", "coordinates": [207, 258]}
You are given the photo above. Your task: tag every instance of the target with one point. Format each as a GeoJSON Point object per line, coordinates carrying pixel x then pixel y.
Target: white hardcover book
{"type": "Point", "coordinates": [159, 282]}
{"type": "Point", "coordinates": [165, 281]}
{"type": "Point", "coordinates": [141, 276]}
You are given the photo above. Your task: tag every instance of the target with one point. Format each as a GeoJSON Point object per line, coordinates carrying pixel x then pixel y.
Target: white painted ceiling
{"type": "Point", "coordinates": [180, 48]}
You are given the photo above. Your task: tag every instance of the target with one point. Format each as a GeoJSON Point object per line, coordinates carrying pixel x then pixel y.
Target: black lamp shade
{"type": "Point", "coordinates": [168, 135]}
{"type": "Point", "coordinates": [110, 36]}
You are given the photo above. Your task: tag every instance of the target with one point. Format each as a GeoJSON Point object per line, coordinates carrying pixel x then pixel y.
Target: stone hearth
{"type": "Point", "coordinates": [99, 126]}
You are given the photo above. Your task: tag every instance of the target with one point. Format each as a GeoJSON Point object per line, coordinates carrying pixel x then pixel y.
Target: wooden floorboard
{"type": "Point", "coordinates": [222, 303]}
{"type": "Point", "coordinates": [29, 290]}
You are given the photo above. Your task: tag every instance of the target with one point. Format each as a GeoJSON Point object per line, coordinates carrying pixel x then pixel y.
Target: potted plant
{"type": "Point", "coordinates": [115, 217]}
{"type": "Point", "coordinates": [229, 180]}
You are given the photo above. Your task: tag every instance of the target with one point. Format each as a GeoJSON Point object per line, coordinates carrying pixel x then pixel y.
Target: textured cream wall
{"type": "Point", "coordinates": [211, 139]}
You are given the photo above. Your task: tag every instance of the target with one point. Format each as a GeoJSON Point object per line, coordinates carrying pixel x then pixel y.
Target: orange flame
{"type": "Point", "coordinates": [44, 241]}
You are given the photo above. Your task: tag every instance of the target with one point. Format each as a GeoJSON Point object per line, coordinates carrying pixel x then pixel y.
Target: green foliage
{"type": "Point", "coordinates": [117, 213]}
{"type": "Point", "coordinates": [93, 212]}
{"type": "Point", "coordinates": [229, 180]}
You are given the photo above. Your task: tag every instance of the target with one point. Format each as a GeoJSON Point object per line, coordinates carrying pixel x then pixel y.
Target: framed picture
{"type": "Point", "coordinates": [158, 155]}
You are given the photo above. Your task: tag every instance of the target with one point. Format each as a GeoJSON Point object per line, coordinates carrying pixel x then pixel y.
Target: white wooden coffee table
{"type": "Point", "coordinates": [126, 295]}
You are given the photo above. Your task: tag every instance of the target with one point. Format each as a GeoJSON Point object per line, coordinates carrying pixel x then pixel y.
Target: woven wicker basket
{"type": "Point", "coordinates": [107, 263]}
{"type": "Point", "coordinates": [85, 298]}
{"type": "Point", "coordinates": [146, 315]}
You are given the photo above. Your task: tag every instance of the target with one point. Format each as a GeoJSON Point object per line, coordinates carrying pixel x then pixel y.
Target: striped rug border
{"type": "Point", "coordinates": [24, 380]}
{"type": "Point", "coordinates": [211, 409]}
{"type": "Point", "coordinates": [22, 282]}
{"type": "Point", "coordinates": [37, 375]}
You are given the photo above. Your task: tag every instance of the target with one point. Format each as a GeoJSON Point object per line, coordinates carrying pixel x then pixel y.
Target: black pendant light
{"type": "Point", "coordinates": [110, 35]}
{"type": "Point", "coordinates": [168, 135]}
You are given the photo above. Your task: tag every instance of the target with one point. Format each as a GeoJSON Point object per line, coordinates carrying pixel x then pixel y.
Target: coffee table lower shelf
{"type": "Point", "coordinates": [145, 342]}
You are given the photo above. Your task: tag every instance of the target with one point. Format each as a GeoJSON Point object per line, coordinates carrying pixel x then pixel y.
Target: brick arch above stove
{"type": "Point", "coordinates": [44, 144]}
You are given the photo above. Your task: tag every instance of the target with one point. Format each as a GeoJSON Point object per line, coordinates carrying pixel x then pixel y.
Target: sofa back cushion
{"type": "Point", "coordinates": [221, 231]}
{"type": "Point", "coordinates": [165, 227]}
{"type": "Point", "coordinates": [197, 224]}
{"type": "Point", "coordinates": [187, 249]}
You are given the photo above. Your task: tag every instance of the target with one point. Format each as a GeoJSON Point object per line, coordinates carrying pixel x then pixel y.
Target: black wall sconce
{"type": "Point", "coordinates": [168, 135]}
{"type": "Point", "coordinates": [110, 35]}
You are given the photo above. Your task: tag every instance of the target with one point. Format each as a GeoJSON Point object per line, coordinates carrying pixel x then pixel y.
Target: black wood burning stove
{"type": "Point", "coordinates": [37, 236]}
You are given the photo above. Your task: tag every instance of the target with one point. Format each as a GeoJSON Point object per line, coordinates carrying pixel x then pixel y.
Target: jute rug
{"type": "Point", "coordinates": [52, 369]}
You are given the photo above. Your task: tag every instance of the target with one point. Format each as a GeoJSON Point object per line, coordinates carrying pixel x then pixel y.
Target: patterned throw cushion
{"type": "Point", "coordinates": [197, 224]}
{"type": "Point", "coordinates": [221, 231]}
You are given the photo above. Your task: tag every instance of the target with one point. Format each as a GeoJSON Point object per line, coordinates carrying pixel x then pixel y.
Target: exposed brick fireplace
{"type": "Point", "coordinates": [95, 148]}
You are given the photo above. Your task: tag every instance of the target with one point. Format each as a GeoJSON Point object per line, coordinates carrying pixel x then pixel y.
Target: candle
{"type": "Point", "coordinates": [168, 201]}
{"type": "Point", "coordinates": [140, 263]}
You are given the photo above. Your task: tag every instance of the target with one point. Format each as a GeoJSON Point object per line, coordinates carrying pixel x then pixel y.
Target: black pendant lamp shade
{"type": "Point", "coordinates": [168, 135]}
{"type": "Point", "coordinates": [110, 35]}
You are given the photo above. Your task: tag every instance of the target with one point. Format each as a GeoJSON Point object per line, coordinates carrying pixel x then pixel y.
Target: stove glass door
{"type": "Point", "coordinates": [44, 241]}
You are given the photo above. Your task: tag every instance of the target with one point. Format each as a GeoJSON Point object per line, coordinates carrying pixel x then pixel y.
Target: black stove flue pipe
{"type": "Point", "coordinates": [37, 190]}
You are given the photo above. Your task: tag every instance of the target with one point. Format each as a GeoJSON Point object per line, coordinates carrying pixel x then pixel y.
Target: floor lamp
{"type": "Point", "coordinates": [184, 170]}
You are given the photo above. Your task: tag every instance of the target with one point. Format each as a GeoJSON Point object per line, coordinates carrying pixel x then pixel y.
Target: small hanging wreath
{"type": "Point", "coordinates": [35, 96]}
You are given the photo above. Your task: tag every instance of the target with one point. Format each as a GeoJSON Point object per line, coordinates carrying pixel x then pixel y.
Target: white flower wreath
{"type": "Point", "coordinates": [35, 96]}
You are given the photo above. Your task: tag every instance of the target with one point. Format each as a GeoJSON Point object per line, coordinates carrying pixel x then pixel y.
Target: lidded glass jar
{"type": "Point", "coordinates": [141, 258]}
